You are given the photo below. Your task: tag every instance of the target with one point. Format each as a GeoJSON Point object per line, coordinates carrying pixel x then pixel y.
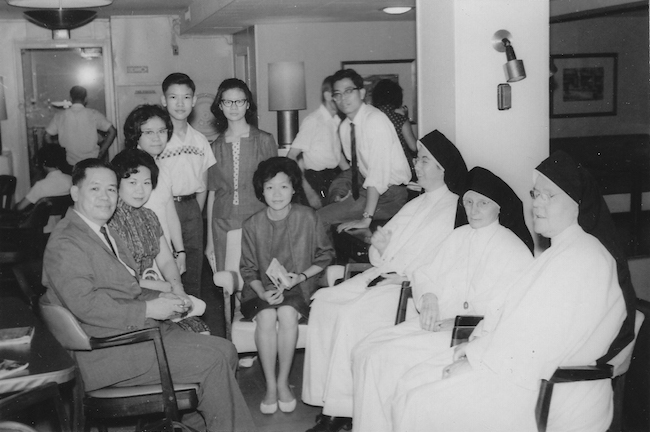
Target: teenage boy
{"type": "Point", "coordinates": [317, 148]}
{"type": "Point", "coordinates": [185, 162]}
{"type": "Point", "coordinates": [379, 169]}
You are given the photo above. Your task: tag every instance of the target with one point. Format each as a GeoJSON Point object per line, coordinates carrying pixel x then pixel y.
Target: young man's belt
{"type": "Point", "coordinates": [182, 198]}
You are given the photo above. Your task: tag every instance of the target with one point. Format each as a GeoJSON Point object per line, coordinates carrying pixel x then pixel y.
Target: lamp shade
{"type": "Point", "coordinates": [3, 102]}
{"type": "Point", "coordinates": [60, 19]}
{"type": "Point", "coordinates": [287, 86]}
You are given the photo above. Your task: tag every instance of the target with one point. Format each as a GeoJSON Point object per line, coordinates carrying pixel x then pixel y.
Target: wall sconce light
{"type": "Point", "coordinates": [514, 69]}
{"type": "Point", "coordinates": [286, 96]}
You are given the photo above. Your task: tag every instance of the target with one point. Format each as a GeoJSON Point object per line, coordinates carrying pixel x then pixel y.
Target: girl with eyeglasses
{"type": "Point", "coordinates": [149, 128]}
{"type": "Point", "coordinates": [239, 148]}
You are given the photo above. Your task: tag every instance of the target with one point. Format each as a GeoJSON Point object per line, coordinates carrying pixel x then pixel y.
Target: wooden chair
{"type": "Point", "coordinates": [7, 190]}
{"type": "Point", "coordinates": [616, 367]}
{"type": "Point", "coordinates": [165, 399]}
{"type": "Point", "coordinates": [13, 405]}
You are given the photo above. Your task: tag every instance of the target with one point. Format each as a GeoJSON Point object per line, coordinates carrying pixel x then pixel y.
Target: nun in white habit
{"type": "Point", "coordinates": [568, 308]}
{"type": "Point", "coordinates": [471, 271]}
{"type": "Point", "coordinates": [341, 316]}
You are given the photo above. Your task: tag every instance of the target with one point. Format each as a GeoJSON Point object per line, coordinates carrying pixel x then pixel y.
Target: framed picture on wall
{"type": "Point", "coordinates": [583, 85]}
{"type": "Point", "coordinates": [400, 71]}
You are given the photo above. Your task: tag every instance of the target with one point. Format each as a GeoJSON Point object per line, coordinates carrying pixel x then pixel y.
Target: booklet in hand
{"type": "Point", "coordinates": [16, 335]}
{"type": "Point", "coordinates": [278, 275]}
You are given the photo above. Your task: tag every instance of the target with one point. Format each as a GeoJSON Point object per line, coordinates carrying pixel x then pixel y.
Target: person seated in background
{"type": "Point", "coordinates": [293, 235]}
{"type": "Point", "coordinates": [470, 273]}
{"type": "Point", "coordinates": [88, 270]}
{"type": "Point", "coordinates": [387, 96]}
{"type": "Point", "coordinates": [344, 314]}
{"type": "Point", "coordinates": [57, 181]}
{"type": "Point", "coordinates": [569, 307]}
{"type": "Point", "coordinates": [139, 228]}
{"type": "Point", "coordinates": [317, 148]}
{"type": "Point", "coordinates": [378, 171]}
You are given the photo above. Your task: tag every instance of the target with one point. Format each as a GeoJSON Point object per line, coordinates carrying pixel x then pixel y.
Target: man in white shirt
{"type": "Point", "coordinates": [317, 148]}
{"type": "Point", "coordinates": [376, 158]}
{"type": "Point", "coordinates": [77, 129]}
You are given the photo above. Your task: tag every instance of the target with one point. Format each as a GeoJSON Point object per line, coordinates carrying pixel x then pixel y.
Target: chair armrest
{"type": "Point", "coordinates": [353, 269]}
{"type": "Point", "coordinates": [143, 335]}
{"type": "Point", "coordinates": [228, 280]}
{"type": "Point", "coordinates": [137, 336]}
{"type": "Point", "coordinates": [582, 373]}
{"type": "Point", "coordinates": [405, 295]}
{"type": "Point", "coordinates": [333, 273]}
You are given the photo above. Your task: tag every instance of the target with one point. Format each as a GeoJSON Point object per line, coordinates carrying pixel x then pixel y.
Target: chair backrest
{"type": "Point", "coordinates": [38, 216]}
{"type": "Point", "coordinates": [7, 190]}
{"type": "Point", "coordinates": [233, 254]}
{"type": "Point", "coordinates": [621, 361]}
{"type": "Point", "coordinates": [59, 204]}
{"type": "Point", "coordinates": [65, 327]}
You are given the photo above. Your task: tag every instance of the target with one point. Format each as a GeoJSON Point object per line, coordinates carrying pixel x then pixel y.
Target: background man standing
{"type": "Point", "coordinates": [318, 143]}
{"type": "Point", "coordinates": [77, 129]}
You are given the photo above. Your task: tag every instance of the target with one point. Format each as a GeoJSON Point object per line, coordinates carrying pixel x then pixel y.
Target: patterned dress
{"type": "Point", "coordinates": [141, 231]}
{"type": "Point", "coordinates": [398, 121]}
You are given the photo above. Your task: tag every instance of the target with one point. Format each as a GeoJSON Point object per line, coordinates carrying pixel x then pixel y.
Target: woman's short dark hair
{"type": "Point", "coordinates": [53, 156]}
{"type": "Point", "coordinates": [387, 92]}
{"type": "Point", "coordinates": [220, 122]}
{"type": "Point", "coordinates": [269, 168]}
{"type": "Point", "coordinates": [128, 161]}
{"type": "Point", "coordinates": [139, 116]}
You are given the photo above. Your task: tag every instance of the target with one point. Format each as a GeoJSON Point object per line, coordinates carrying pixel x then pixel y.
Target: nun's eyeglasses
{"type": "Point", "coordinates": [546, 197]}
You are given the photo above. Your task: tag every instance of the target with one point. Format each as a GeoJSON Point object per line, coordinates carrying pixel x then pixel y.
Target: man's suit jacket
{"type": "Point", "coordinates": [82, 274]}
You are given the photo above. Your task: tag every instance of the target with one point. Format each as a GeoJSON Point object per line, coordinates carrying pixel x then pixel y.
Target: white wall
{"type": "Point", "coordinates": [13, 33]}
{"type": "Point", "coordinates": [458, 73]}
{"type": "Point", "coordinates": [135, 41]}
{"type": "Point", "coordinates": [323, 46]}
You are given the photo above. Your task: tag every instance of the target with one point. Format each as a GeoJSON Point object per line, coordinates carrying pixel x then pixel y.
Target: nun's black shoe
{"type": "Point", "coordinates": [326, 423]}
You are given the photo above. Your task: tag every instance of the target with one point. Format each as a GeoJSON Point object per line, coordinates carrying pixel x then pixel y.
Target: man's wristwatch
{"type": "Point", "coordinates": [367, 215]}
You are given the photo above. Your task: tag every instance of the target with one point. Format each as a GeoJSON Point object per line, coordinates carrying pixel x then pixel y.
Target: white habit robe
{"type": "Point", "coordinates": [342, 315]}
{"type": "Point", "coordinates": [565, 310]}
{"type": "Point", "coordinates": [473, 267]}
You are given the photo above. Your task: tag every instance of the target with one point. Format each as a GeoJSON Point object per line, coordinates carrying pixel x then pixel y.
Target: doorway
{"type": "Point", "coordinates": [48, 73]}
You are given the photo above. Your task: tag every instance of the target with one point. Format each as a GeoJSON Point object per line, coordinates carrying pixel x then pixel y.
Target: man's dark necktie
{"type": "Point", "coordinates": [355, 166]}
{"type": "Point", "coordinates": [108, 240]}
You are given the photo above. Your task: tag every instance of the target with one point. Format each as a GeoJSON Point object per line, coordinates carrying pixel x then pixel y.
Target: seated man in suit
{"type": "Point", "coordinates": [89, 271]}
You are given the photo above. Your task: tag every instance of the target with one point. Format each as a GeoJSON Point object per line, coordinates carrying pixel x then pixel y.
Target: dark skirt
{"type": "Point", "coordinates": [292, 297]}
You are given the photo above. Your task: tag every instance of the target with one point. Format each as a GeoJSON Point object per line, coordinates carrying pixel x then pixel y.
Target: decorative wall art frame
{"type": "Point", "coordinates": [400, 71]}
{"type": "Point", "coordinates": [584, 85]}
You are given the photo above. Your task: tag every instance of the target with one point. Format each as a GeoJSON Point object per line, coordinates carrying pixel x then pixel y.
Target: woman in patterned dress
{"type": "Point", "coordinates": [239, 148]}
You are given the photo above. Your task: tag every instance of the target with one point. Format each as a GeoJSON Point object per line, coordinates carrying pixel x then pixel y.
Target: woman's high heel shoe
{"type": "Point", "coordinates": [268, 409]}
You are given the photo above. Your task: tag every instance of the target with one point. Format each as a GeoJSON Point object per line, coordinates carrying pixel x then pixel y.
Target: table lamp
{"type": "Point", "coordinates": [287, 96]}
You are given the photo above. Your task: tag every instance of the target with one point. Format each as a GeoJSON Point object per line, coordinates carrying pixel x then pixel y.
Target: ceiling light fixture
{"type": "Point", "coordinates": [60, 16]}
{"type": "Point", "coordinates": [397, 10]}
{"type": "Point", "coordinates": [59, 4]}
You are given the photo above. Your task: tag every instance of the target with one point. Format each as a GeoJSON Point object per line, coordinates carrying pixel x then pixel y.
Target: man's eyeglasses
{"type": "Point", "coordinates": [151, 133]}
{"type": "Point", "coordinates": [238, 102]}
{"type": "Point", "coordinates": [546, 197]}
{"type": "Point", "coordinates": [338, 96]}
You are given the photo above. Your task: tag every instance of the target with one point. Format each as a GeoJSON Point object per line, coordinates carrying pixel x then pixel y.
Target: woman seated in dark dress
{"type": "Point", "coordinates": [293, 235]}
